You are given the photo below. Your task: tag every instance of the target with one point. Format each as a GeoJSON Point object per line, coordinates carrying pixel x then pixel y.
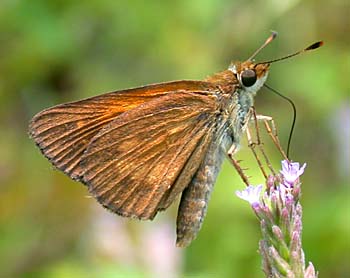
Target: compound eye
{"type": "Point", "coordinates": [248, 77]}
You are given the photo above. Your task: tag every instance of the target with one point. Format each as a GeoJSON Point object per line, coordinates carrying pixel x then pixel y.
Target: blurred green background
{"type": "Point", "coordinates": [61, 50]}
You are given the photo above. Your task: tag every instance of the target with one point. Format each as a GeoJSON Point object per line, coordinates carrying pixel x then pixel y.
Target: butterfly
{"type": "Point", "coordinates": [137, 150]}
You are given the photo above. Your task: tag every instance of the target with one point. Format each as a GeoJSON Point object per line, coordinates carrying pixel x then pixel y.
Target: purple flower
{"type": "Point", "coordinates": [280, 214]}
{"type": "Point", "coordinates": [251, 194]}
{"type": "Point", "coordinates": [291, 172]}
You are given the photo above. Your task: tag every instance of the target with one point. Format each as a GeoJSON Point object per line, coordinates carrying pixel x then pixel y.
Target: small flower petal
{"type": "Point", "coordinates": [270, 182]}
{"type": "Point", "coordinates": [251, 194]}
{"type": "Point", "coordinates": [310, 271]}
{"type": "Point", "coordinates": [291, 172]}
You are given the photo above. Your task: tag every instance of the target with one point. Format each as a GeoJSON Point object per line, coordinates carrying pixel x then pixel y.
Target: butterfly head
{"type": "Point", "coordinates": [250, 76]}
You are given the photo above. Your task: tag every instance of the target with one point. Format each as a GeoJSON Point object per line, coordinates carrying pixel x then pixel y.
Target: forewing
{"type": "Point", "coordinates": [63, 132]}
{"type": "Point", "coordinates": [148, 153]}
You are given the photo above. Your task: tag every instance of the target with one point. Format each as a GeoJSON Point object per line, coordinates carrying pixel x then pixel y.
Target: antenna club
{"type": "Point", "coordinates": [314, 46]}
{"type": "Point", "coordinates": [271, 37]}
{"type": "Point", "coordinates": [268, 40]}
{"type": "Point", "coordinates": [274, 34]}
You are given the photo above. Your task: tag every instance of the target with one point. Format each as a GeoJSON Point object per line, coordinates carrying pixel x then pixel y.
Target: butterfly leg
{"type": "Point", "coordinates": [233, 149]}
{"type": "Point", "coordinates": [252, 145]}
{"type": "Point", "coordinates": [272, 131]}
{"type": "Point", "coordinates": [257, 142]}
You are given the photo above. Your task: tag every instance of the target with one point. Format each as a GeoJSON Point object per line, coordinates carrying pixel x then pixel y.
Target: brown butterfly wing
{"type": "Point", "coordinates": [63, 132]}
{"type": "Point", "coordinates": [149, 153]}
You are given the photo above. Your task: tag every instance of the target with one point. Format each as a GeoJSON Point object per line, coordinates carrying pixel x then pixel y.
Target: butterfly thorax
{"type": "Point", "coordinates": [236, 91]}
{"type": "Point", "coordinates": [250, 78]}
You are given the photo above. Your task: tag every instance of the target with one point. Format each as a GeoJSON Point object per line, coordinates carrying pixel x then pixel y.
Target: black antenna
{"type": "Point", "coordinates": [268, 40]}
{"type": "Point", "coordinates": [294, 116]}
{"type": "Point", "coordinates": [311, 47]}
